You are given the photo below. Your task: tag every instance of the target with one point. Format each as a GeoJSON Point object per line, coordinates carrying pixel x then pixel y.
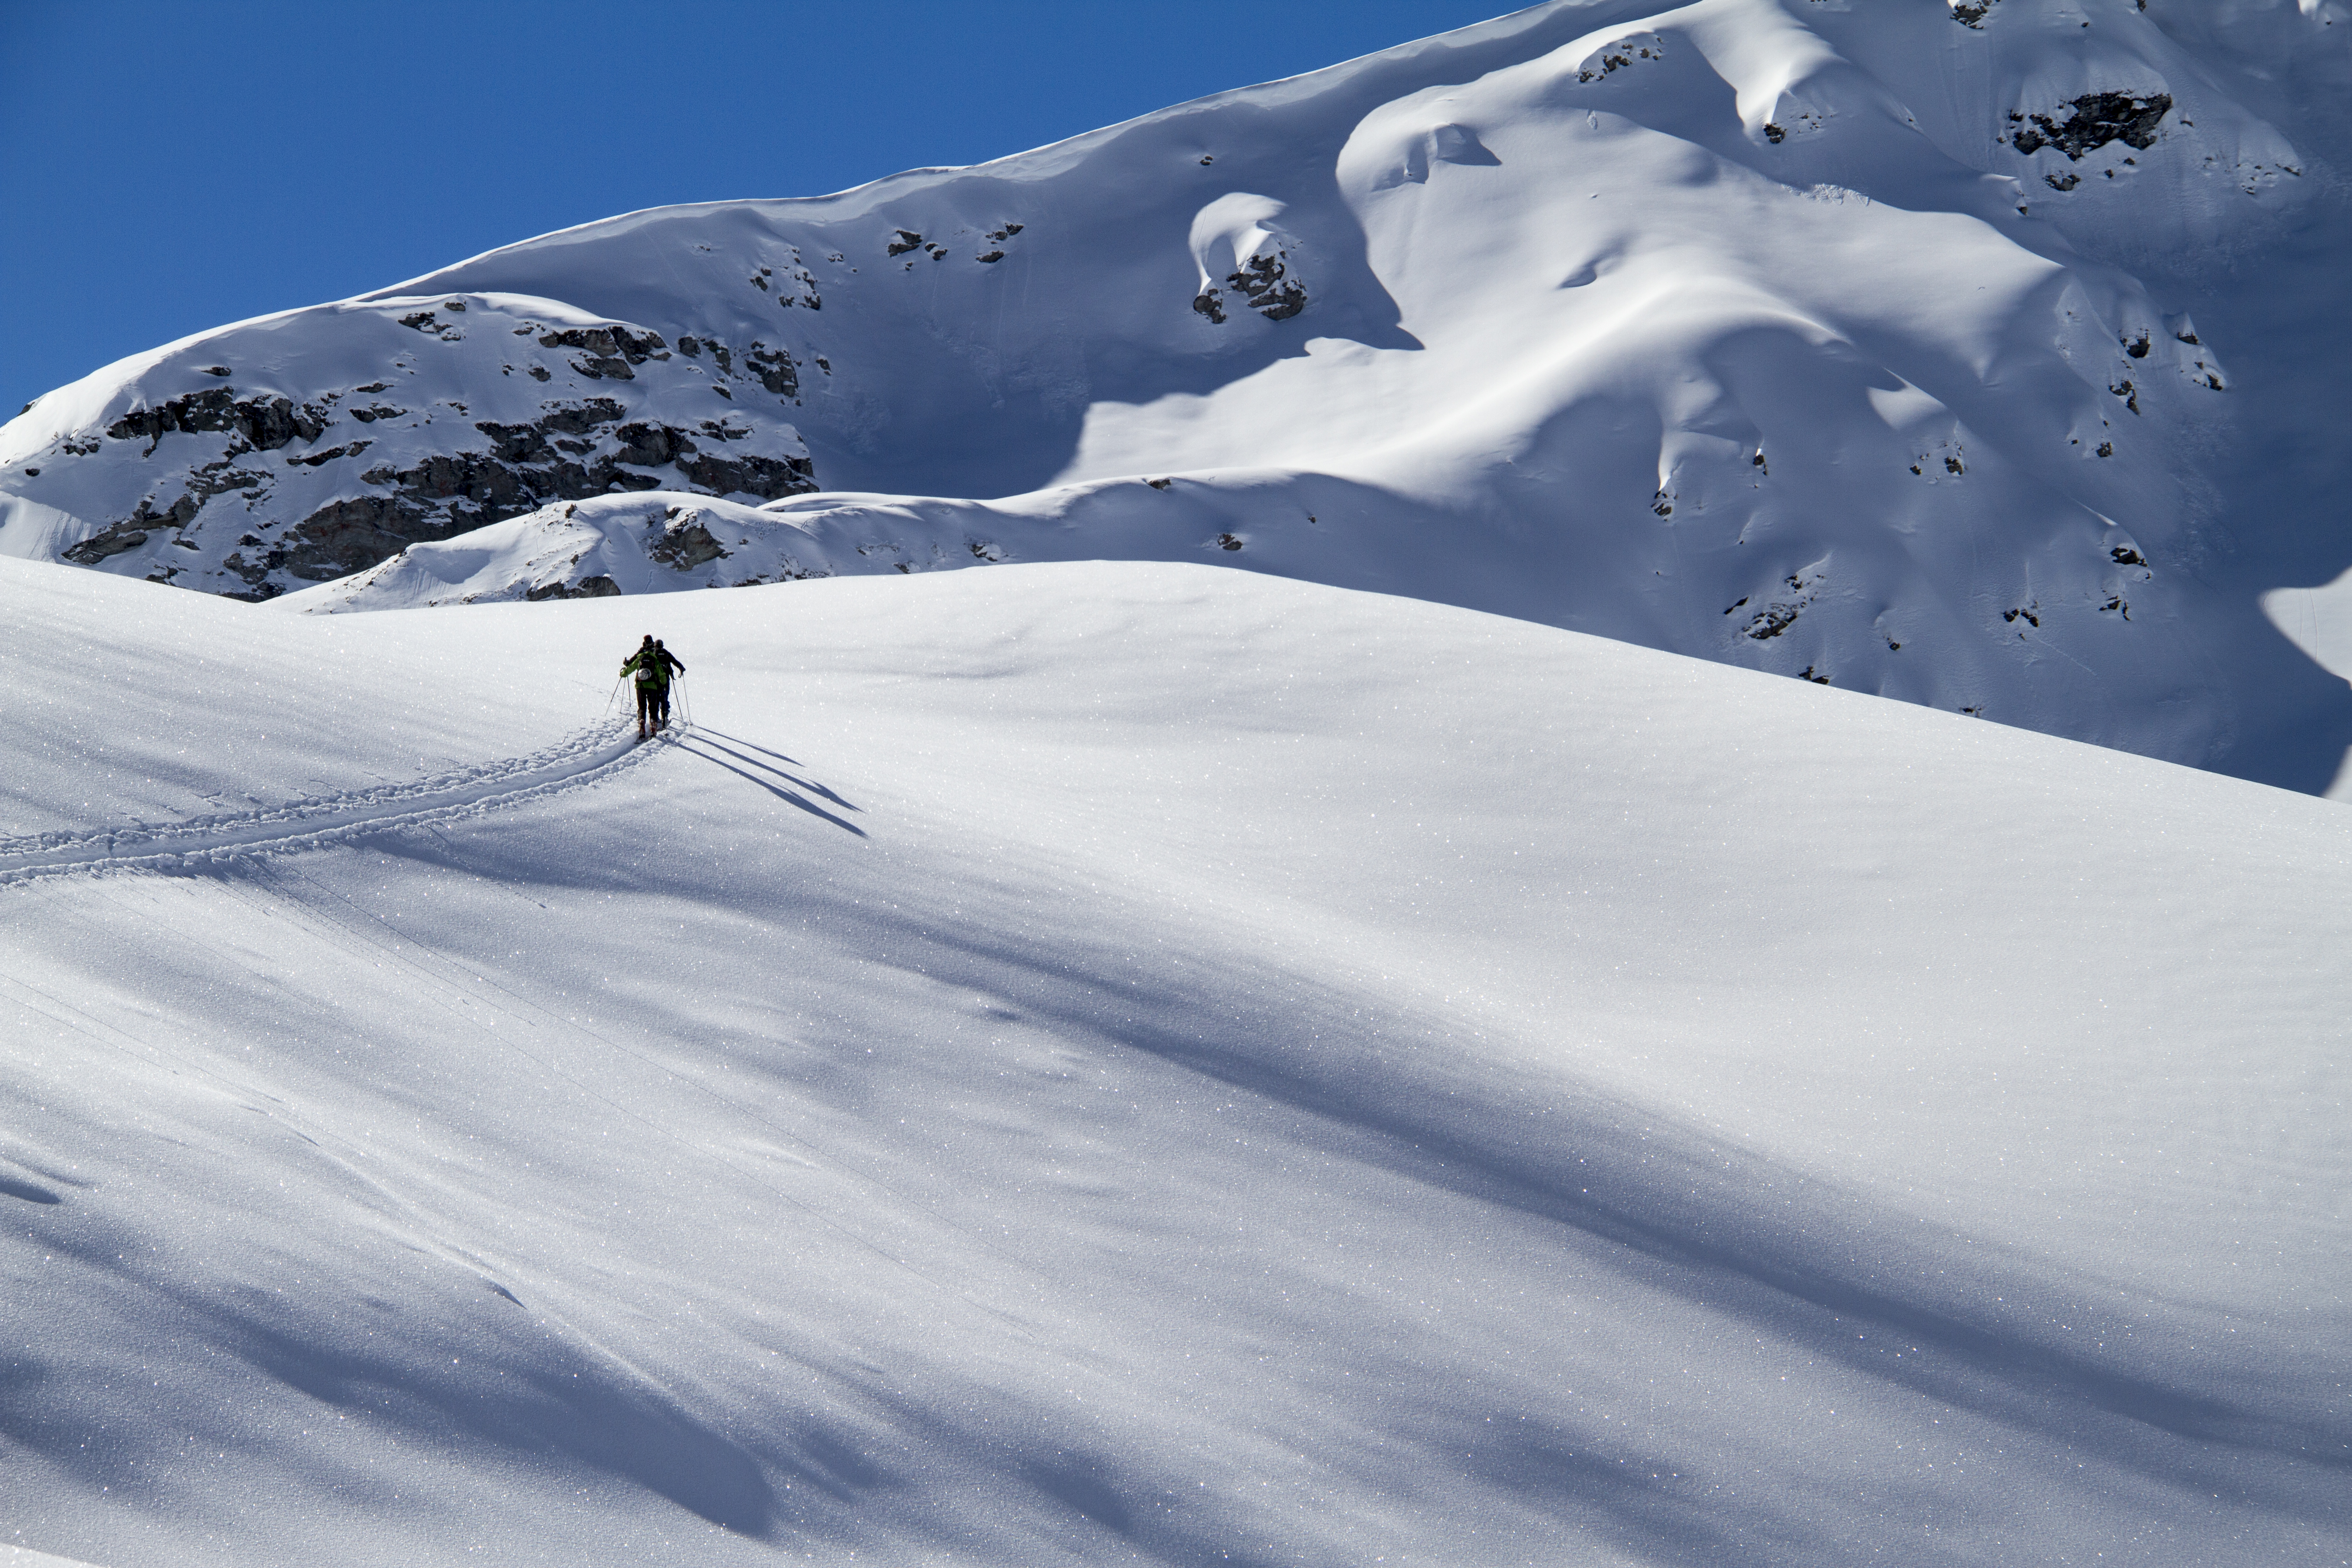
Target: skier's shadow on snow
{"type": "Point", "coordinates": [779, 791]}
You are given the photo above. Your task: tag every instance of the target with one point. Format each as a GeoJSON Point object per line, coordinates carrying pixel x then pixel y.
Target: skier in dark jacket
{"type": "Point", "coordinates": [649, 669]}
{"type": "Point", "coordinates": [661, 698]}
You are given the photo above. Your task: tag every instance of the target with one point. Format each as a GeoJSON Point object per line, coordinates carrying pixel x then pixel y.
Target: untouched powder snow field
{"type": "Point", "coordinates": [1990, 355]}
{"type": "Point", "coordinates": [1134, 1062]}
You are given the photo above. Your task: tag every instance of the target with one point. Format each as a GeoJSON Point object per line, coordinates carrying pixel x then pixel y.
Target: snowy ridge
{"type": "Point", "coordinates": [593, 755]}
{"type": "Point", "coordinates": [1954, 355]}
{"type": "Point", "coordinates": [609, 546]}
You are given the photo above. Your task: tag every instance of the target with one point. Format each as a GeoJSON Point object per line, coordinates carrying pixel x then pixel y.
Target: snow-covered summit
{"type": "Point", "coordinates": [1921, 349]}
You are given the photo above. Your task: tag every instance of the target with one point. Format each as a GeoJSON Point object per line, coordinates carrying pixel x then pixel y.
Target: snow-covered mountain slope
{"type": "Point", "coordinates": [1130, 1062]}
{"type": "Point", "coordinates": [307, 448]}
{"type": "Point", "coordinates": [1984, 356]}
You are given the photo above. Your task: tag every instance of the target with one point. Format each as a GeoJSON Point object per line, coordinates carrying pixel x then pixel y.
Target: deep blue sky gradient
{"type": "Point", "coordinates": [166, 167]}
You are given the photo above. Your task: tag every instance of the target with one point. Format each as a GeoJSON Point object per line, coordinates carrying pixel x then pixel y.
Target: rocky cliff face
{"type": "Point", "coordinates": [399, 422]}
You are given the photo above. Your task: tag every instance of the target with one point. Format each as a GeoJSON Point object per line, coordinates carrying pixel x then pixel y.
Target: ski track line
{"type": "Point", "coordinates": [584, 758]}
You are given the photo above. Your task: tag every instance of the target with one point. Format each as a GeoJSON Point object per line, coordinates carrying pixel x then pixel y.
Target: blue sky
{"type": "Point", "coordinates": [167, 167]}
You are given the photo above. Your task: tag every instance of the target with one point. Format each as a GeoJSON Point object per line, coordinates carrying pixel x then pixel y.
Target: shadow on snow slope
{"type": "Point", "coordinates": [2058, 1358]}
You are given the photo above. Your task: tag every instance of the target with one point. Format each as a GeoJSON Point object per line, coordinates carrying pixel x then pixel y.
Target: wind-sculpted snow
{"type": "Point", "coordinates": [1076, 1063]}
{"type": "Point", "coordinates": [1983, 356]}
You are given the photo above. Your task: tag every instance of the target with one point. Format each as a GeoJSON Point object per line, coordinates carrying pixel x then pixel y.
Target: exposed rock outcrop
{"type": "Point", "coordinates": [1264, 284]}
{"type": "Point", "coordinates": [607, 351]}
{"type": "Point", "coordinates": [1237, 236]}
{"type": "Point", "coordinates": [600, 586]}
{"type": "Point", "coordinates": [262, 421]}
{"type": "Point", "coordinates": [348, 536]}
{"type": "Point", "coordinates": [339, 477]}
{"type": "Point", "coordinates": [684, 541]}
{"type": "Point", "coordinates": [2091, 122]}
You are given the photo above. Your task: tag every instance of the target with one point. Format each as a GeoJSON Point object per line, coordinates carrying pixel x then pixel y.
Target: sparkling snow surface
{"type": "Point", "coordinates": [1106, 1062]}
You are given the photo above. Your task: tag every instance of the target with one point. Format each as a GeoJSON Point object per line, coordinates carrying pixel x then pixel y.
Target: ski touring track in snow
{"type": "Point", "coordinates": [586, 757]}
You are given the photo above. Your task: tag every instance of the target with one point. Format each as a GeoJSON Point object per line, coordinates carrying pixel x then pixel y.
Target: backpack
{"type": "Point", "coordinates": [648, 668]}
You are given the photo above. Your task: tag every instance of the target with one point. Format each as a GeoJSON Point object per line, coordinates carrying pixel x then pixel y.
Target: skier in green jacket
{"type": "Point", "coordinates": [650, 668]}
